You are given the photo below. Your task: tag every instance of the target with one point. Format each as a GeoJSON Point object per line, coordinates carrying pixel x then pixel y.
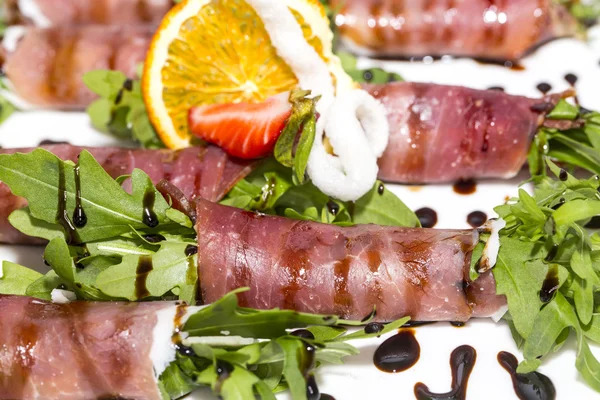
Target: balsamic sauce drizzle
{"type": "Point", "coordinates": [374, 327]}
{"type": "Point", "coordinates": [142, 271]}
{"type": "Point", "coordinates": [465, 186]}
{"type": "Point", "coordinates": [550, 285]}
{"type": "Point", "coordinates": [594, 223]}
{"type": "Point", "coordinates": [477, 219]}
{"type": "Point", "coordinates": [190, 250]}
{"type": "Point", "coordinates": [531, 386]}
{"type": "Point", "coordinates": [398, 353]}
{"type": "Point", "coordinates": [544, 87]}
{"type": "Point", "coordinates": [149, 217]}
{"type": "Point", "coordinates": [79, 216]}
{"type": "Point", "coordinates": [380, 188]}
{"type": "Point", "coordinates": [427, 217]}
{"type": "Point", "coordinates": [154, 238]}
{"type": "Point", "coordinates": [333, 207]}
{"type": "Point", "coordinates": [303, 333]}
{"type": "Point", "coordinates": [62, 216]}
{"type": "Point", "coordinates": [552, 253]}
{"type": "Point", "coordinates": [462, 361]}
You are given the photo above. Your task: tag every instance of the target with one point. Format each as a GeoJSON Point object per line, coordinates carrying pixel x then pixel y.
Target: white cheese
{"type": "Point", "coordinates": [492, 247]}
{"type": "Point", "coordinates": [11, 37]}
{"type": "Point", "coordinates": [355, 122]}
{"type": "Point", "coordinates": [162, 352]}
{"type": "Point", "coordinates": [31, 10]}
{"type": "Point", "coordinates": [60, 296]}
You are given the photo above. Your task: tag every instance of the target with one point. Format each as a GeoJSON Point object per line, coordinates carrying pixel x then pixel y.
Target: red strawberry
{"type": "Point", "coordinates": [245, 130]}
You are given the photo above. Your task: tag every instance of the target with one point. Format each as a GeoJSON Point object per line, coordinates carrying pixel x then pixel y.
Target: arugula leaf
{"type": "Point", "coordinates": [120, 110]}
{"type": "Point", "coordinates": [545, 240]}
{"type": "Point", "coordinates": [15, 279]}
{"type": "Point", "coordinates": [578, 144]}
{"type": "Point", "coordinates": [111, 211]}
{"type": "Point", "coordinates": [371, 75]}
{"type": "Point", "coordinates": [381, 206]}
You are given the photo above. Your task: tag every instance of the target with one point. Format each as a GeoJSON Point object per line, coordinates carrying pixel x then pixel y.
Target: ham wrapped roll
{"type": "Point", "coordinates": [347, 271]}
{"type": "Point", "coordinates": [44, 67]}
{"type": "Point", "coordinates": [45, 13]}
{"type": "Point", "coordinates": [445, 133]}
{"type": "Point", "coordinates": [499, 30]}
{"type": "Point", "coordinates": [83, 350]}
{"type": "Point", "coordinates": [206, 172]}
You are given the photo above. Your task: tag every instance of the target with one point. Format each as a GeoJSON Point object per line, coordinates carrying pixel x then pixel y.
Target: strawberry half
{"type": "Point", "coordinates": [245, 130]}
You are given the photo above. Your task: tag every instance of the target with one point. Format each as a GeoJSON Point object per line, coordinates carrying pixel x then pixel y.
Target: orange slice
{"type": "Point", "coordinates": [218, 51]}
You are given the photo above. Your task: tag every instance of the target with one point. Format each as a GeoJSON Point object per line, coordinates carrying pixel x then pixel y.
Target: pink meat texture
{"type": "Point", "coordinates": [444, 133]}
{"type": "Point", "coordinates": [206, 172]}
{"type": "Point", "coordinates": [347, 271]}
{"type": "Point", "coordinates": [47, 66]}
{"type": "Point", "coordinates": [80, 350]}
{"type": "Point", "coordinates": [488, 29]}
{"type": "Point", "coordinates": [79, 12]}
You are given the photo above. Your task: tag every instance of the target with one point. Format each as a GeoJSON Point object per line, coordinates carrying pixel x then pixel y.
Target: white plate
{"type": "Point", "coordinates": [358, 378]}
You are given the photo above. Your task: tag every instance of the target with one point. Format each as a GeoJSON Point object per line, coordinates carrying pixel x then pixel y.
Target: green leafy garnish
{"type": "Point", "coordinates": [578, 144]}
{"type": "Point", "coordinates": [247, 369]}
{"type": "Point", "coordinates": [120, 110]}
{"type": "Point", "coordinates": [548, 269]}
{"type": "Point", "coordinates": [271, 189]}
{"type": "Point", "coordinates": [371, 75]}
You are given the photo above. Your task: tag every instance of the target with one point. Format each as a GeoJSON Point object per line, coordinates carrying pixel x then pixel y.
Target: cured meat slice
{"type": "Point", "coordinates": [44, 67]}
{"type": "Point", "coordinates": [45, 13]}
{"type": "Point", "coordinates": [80, 350]}
{"type": "Point", "coordinates": [206, 172]}
{"type": "Point", "coordinates": [444, 133]}
{"type": "Point", "coordinates": [499, 30]}
{"type": "Point", "coordinates": [347, 271]}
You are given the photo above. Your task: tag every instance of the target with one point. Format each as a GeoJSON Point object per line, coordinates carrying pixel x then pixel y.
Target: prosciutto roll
{"type": "Point", "coordinates": [45, 13]}
{"type": "Point", "coordinates": [499, 30]}
{"type": "Point", "coordinates": [83, 350]}
{"type": "Point", "coordinates": [445, 133]}
{"type": "Point", "coordinates": [347, 271]}
{"type": "Point", "coordinates": [44, 67]}
{"type": "Point", "coordinates": [206, 172]}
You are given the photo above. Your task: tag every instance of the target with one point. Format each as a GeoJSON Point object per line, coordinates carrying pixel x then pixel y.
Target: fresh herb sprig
{"type": "Point", "coordinates": [242, 368]}
{"type": "Point", "coordinates": [578, 144]}
{"type": "Point", "coordinates": [548, 268]}
{"type": "Point", "coordinates": [120, 110]}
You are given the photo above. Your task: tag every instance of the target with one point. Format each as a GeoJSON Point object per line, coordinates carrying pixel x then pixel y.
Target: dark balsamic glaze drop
{"type": "Point", "coordinates": [571, 79]}
{"type": "Point", "coordinates": [427, 217]}
{"type": "Point", "coordinates": [398, 353]}
{"type": "Point", "coordinates": [128, 85]}
{"type": "Point", "coordinates": [560, 203]}
{"type": "Point", "coordinates": [550, 285]}
{"type": "Point", "coordinates": [544, 87]}
{"type": "Point", "coordinates": [312, 390]}
{"type": "Point", "coordinates": [46, 262]}
{"type": "Point", "coordinates": [190, 250]}
{"type": "Point", "coordinates": [462, 361]}
{"type": "Point", "coordinates": [368, 75]}
{"type": "Point", "coordinates": [594, 223]}
{"type": "Point", "coordinates": [476, 219]}
{"type": "Point", "coordinates": [466, 186]}
{"type": "Point", "coordinates": [154, 238]}
{"type": "Point", "coordinates": [62, 216]}
{"type": "Point", "coordinates": [48, 142]}
{"type": "Point", "coordinates": [144, 268]}
{"type": "Point", "coordinates": [380, 188]}
{"type": "Point", "coordinates": [563, 175]}
{"type": "Point", "coordinates": [223, 369]}
{"type": "Point", "coordinates": [184, 350]}
{"type": "Point", "coordinates": [497, 88]}
{"type": "Point", "coordinates": [149, 217]}
{"type": "Point", "coordinates": [531, 386]}
{"type": "Point", "coordinates": [374, 327]}
{"type": "Point", "coordinates": [552, 253]}
{"type": "Point", "coordinates": [79, 216]}
{"type": "Point", "coordinates": [303, 333]}
{"type": "Point", "coordinates": [457, 324]}
{"type": "Point", "coordinates": [413, 324]}
{"type": "Point", "coordinates": [62, 286]}
{"type": "Point", "coordinates": [333, 207]}
{"type": "Point", "coordinates": [325, 396]}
